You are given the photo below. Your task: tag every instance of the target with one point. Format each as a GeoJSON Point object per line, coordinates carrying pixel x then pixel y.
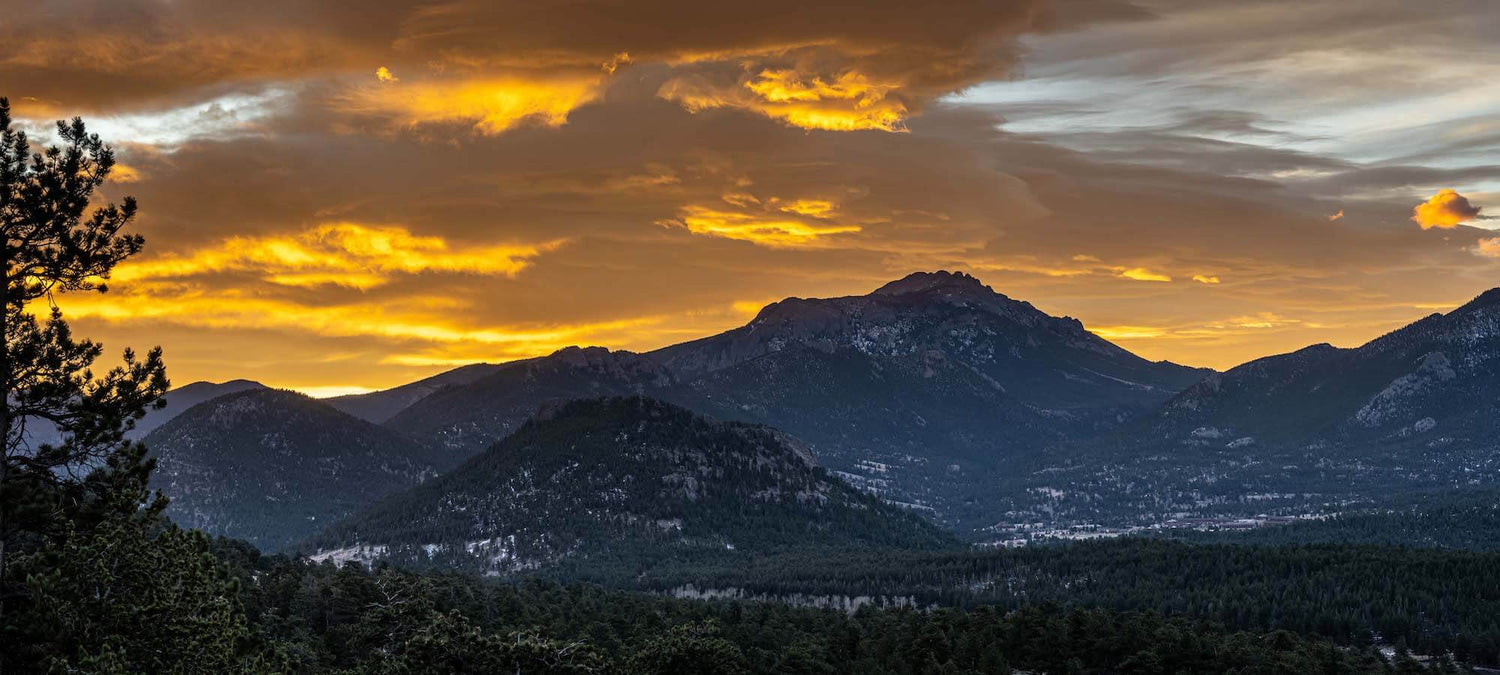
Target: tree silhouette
{"type": "Point", "coordinates": [52, 241]}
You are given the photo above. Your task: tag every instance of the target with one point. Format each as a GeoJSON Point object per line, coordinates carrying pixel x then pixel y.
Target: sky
{"type": "Point", "coordinates": [341, 197]}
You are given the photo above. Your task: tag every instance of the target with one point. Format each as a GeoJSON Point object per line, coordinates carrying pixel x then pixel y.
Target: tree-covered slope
{"type": "Point", "coordinates": [273, 467]}
{"type": "Point", "coordinates": [619, 474]}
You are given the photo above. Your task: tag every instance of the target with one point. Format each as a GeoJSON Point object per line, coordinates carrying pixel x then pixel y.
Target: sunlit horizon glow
{"type": "Point", "coordinates": [344, 198]}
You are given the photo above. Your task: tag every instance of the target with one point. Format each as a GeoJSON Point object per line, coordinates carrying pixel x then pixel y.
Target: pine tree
{"type": "Point", "coordinates": [53, 241]}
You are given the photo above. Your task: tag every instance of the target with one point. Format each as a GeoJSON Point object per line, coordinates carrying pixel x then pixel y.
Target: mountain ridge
{"type": "Point", "coordinates": [961, 382]}
{"type": "Point", "coordinates": [272, 466]}
{"type": "Point", "coordinates": [593, 476]}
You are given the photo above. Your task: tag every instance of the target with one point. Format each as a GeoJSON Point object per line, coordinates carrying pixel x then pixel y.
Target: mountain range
{"type": "Point", "coordinates": [1321, 429]}
{"type": "Point", "coordinates": [934, 393]}
{"type": "Point", "coordinates": [593, 476]}
{"type": "Point", "coordinates": [921, 391]}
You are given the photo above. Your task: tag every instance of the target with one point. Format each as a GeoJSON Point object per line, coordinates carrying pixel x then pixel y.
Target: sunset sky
{"type": "Point", "coordinates": [340, 197]}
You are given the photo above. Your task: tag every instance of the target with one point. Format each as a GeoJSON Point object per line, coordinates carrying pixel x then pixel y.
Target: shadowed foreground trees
{"type": "Point", "coordinates": [92, 579]}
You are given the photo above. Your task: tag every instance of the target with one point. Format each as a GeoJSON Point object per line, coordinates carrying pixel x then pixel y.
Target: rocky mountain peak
{"type": "Point", "coordinates": [940, 281]}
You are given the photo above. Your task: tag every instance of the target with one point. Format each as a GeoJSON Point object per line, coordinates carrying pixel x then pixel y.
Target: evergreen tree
{"type": "Point", "coordinates": [51, 241]}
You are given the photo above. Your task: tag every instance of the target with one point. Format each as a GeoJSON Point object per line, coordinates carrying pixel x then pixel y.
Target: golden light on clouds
{"type": "Point", "coordinates": [420, 319]}
{"type": "Point", "coordinates": [849, 101]}
{"type": "Point", "coordinates": [765, 229]}
{"type": "Point", "coordinates": [1127, 332]}
{"type": "Point", "coordinates": [1446, 209]}
{"type": "Point", "coordinates": [816, 208]}
{"type": "Point", "coordinates": [346, 181]}
{"type": "Point", "coordinates": [490, 106]}
{"type": "Point", "coordinates": [339, 254]}
{"type": "Point", "coordinates": [1143, 274]}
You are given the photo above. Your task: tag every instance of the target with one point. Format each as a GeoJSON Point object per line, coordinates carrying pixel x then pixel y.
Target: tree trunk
{"type": "Point", "coordinates": [5, 424]}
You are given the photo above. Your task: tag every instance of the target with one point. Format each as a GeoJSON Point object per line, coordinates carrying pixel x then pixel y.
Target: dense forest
{"type": "Point", "coordinates": [1463, 519]}
{"type": "Point", "coordinates": [318, 618]}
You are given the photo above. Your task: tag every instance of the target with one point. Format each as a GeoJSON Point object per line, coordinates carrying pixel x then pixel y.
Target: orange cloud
{"type": "Point", "coordinates": [816, 208]}
{"type": "Point", "coordinates": [491, 106]}
{"type": "Point", "coordinates": [1143, 274]}
{"type": "Point", "coordinates": [764, 229]}
{"type": "Point", "coordinates": [1336, 216]}
{"type": "Point", "coordinates": [1205, 279]}
{"type": "Point", "coordinates": [1446, 209]}
{"type": "Point", "coordinates": [383, 74]}
{"type": "Point", "coordinates": [1489, 248]}
{"type": "Point", "coordinates": [848, 101]}
{"type": "Point", "coordinates": [338, 254]}
{"type": "Point", "coordinates": [1128, 332]}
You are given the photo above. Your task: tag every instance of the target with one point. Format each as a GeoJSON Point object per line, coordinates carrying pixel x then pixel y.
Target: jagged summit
{"type": "Point", "coordinates": [918, 282]}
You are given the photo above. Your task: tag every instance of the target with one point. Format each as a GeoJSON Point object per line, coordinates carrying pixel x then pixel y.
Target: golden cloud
{"type": "Point", "coordinates": [339, 254]}
{"type": "Point", "coordinates": [760, 228]}
{"type": "Point", "coordinates": [1205, 279]}
{"type": "Point", "coordinates": [1446, 209]}
{"type": "Point", "coordinates": [384, 74]}
{"type": "Point", "coordinates": [1143, 274]}
{"type": "Point", "coordinates": [417, 318]}
{"type": "Point", "coordinates": [490, 106]}
{"type": "Point", "coordinates": [1128, 332]}
{"type": "Point", "coordinates": [1489, 248]}
{"type": "Point", "coordinates": [847, 101]}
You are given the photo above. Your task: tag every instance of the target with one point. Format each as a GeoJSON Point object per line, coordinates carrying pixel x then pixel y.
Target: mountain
{"type": "Point", "coordinates": [472, 417]}
{"type": "Point", "coordinates": [927, 390]}
{"type": "Point", "coordinates": [379, 406]}
{"type": "Point", "coordinates": [1319, 429]}
{"type": "Point", "coordinates": [604, 476]}
{"type": "Point", "coordinates": [1440, 375]}
{"type": "Point", "coordinates": [1050, 363]}
{"type": "Point", "coordinates": [273, 467]}
{"type": "Point", "coordinates": [177, 401]}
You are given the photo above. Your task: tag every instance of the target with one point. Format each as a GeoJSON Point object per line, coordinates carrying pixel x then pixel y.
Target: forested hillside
{"type": "Point", "coordinates": [273, 467]}
{"type": "Point", "coordinates": [618, 475]}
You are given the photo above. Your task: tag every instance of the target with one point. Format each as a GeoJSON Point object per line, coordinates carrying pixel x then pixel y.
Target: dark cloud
{"type": "Point", "coordinates": [517, 184]}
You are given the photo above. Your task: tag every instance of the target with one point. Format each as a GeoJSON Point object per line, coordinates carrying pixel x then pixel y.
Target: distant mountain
{"type": "Point", "coordinates": [379, 406]}
{"type": "Point", "coordinates": [924, 391]}
{"type": "Point", "coordinates": [601, 476]}
{"type": "Point", "coordinates": [1437, 377]}
{"type": "Point", "coordinates": [472, 417]}
{"type": "Point", "coordinates": [273, 467]}
{"type": "Point", "coordinates": [177, 400]}
{"type": "Point", "coordinates": [1320, 429]}
{"type": "Point", "coordinates": [1047, 362]}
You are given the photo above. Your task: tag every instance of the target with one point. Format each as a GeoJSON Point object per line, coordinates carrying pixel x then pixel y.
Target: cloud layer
{"type": "Point", "coordinates": [340, 196]}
